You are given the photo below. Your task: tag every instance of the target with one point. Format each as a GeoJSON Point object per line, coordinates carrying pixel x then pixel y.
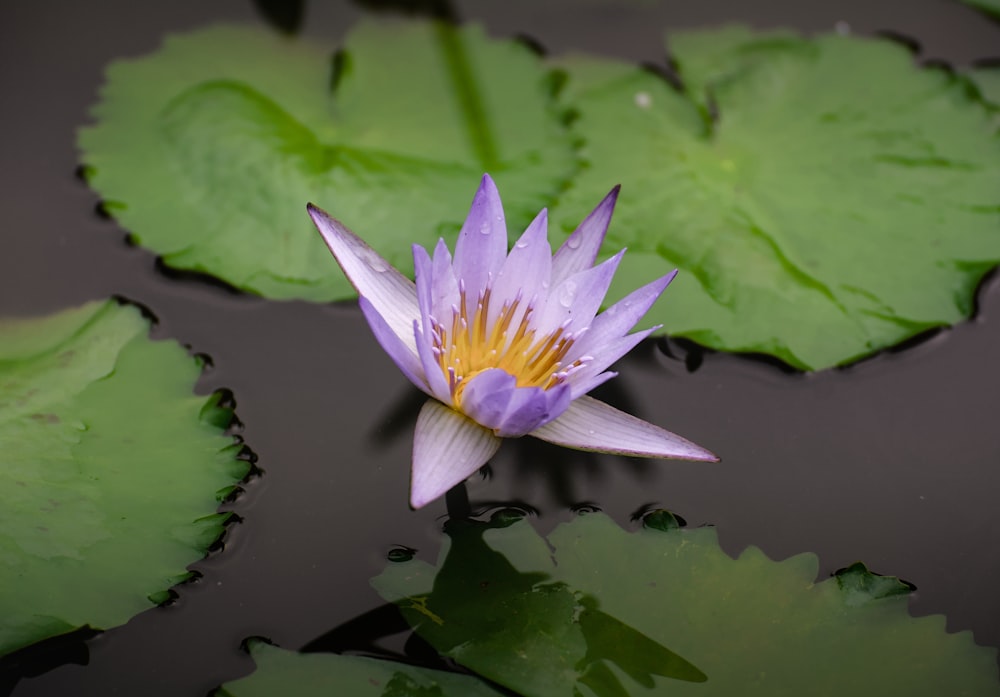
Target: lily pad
{"type": "Point", "coordinates": [987, 80]}
{"type": "Point", "coordinates": [111, 470]}
{"type": "Point", "coordinates": [824, 198]}
{"type": "Point", "coordinates": [281, 672]}
{"type": "Point", "coordinates": [990, 7]}
{"type": "Point", "coordinates": [593, 609]}
{"type": "Point", "coordinates": [208, 150]}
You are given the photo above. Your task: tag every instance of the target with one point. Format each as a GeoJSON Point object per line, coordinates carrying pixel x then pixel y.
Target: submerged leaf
{"type": "Point", "coordinates": [659, 610]}
{"type": "Point", "coordinates": [110, 469]}
{"type": "Point", "coordinates": [824, 198]}
{"type": "Point", "coordinates": [208, 150]}
{"type": "Point", "coordinates": [281, 672]}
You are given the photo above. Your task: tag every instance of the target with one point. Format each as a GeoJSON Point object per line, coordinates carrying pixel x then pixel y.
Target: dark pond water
{"type": "Point", "coordinates": [894, 461]}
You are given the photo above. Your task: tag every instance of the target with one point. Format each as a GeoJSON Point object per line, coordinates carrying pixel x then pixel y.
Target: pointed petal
{"type": "Point", "coordinates": [482, 242]}
{"type": "Point", "coordinates": [582, 387]}
{"type": "Point", "coordinates": [526, 270]}
{"type": "Point", "coordinates": [422, 329]}
{"type": "Point", "coordinates": [580, 249]}
{"type": "Point", "coordinates": [582, 379]}
{"type": "Point", "coordinates": [444, 288]}
{"type": "Point", "coordinates": [392, 295]}
{"type": "Point", "coordinates": [401, 354]}
{"type": "Point", "coordinates": [617, 320]}
{"type": "Point", "coordinates": [589, 424]}
{"type": "Point", "coordinates": [579, 297]}
{"type": "Point", "coordinates": [447, 448]}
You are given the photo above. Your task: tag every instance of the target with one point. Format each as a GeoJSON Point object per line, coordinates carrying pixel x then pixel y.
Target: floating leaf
{"type": "Point", "coordinates": [595, 605]}
{"type": "Point", "coordinates": [110, 470]}
{"type": "Point", "coordinates": [281, 672]}
{"type": "Point", "coordinates": [990, 7]}
{"type": "Point", "coordinates": [840, 200]}
{"type": "Point", "coordinates": [987, 79]}
{"type": "Point", "coordinates": [208, 150]}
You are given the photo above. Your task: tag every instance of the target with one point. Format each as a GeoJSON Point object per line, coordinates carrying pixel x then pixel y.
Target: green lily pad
{"type": "Point", "coordinates": [990, 7]}
{"type": "Point", "coordinates": [593, 609]}
{"type": "Point", "coordinates": [281, 672]}
{"type": "Point", "coordinates": [111, 470]}
{"type": "Point", "coordinates": [840, 201]}
{"type": "Point", "coordinates": [208, 150]}
{"type": "Point", "coordinates": [987, 80]}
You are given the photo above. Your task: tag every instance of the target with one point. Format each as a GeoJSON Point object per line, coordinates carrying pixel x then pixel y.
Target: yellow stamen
{"type": "Point", "coordinates": [470, 346]}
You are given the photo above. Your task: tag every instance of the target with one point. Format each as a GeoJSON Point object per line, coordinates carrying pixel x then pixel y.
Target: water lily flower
{"type": "Point", "coordinates": [506, 345]}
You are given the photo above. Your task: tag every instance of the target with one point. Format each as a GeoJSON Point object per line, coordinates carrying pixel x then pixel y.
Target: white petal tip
{"type": "Point", "coordinates": [447, 448]}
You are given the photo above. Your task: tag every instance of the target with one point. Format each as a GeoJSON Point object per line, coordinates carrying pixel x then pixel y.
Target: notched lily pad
{"type": "Point", "coordinates": [593, 609]}
{"type": "Point", "coordinates": [111, 470]}
{"type": "Point", "coordinates": [208, 150]}
{"type": "Point", "coordinates": [281, 672]}
{"type": "Point", "coordinates": [824, 198]}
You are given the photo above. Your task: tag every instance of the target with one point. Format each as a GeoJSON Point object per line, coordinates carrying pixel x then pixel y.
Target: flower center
{"type": "Point", "coordinates": [471, 345]}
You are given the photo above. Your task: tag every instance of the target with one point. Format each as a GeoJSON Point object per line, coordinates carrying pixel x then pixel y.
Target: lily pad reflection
{"type": "Point", "coordinates": [594, 609]}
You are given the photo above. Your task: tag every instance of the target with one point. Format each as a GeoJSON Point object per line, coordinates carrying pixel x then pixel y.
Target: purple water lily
{"type": "Point", "coordinates": [507, 345]}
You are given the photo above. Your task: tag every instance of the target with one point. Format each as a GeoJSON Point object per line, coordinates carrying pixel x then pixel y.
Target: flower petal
{"type": "Point", "coordinates": [447, 448]}
{"type": "Point", "coordinates": [487, 395]}
{"type": "Point", "coordinates": [444, 288]}
{"type": "Point", "coordinates": [532, 407]}
{"type": "Point", "coordinates": [493, 399]}
{"type": "Point", "coordinates": [401, 354]}
{"type": "Point", "coordinates": [580, 249]}
{"type": "Point", "coordinates": [392, 295]}
{"type": "Point", "coordinates": [526, 271]}
{"type": "Point", "coordinates": [422, 329]}
{"type": "Point", "coordinates": [582, 379]}
{"type": "Point", "coordinates": [589, 424]}
{"type": "Point", "coordinates": [482, 243]}
{"type": "Point", "coordinates": [579, 297]}
{"type": "Point", "coordinates": [617, 320]}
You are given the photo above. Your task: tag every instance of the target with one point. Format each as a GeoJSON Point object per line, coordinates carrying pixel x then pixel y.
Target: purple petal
{"type": "Point", "coordinates": [447, 448]}
{"type": "Point", "coordinates": [422, 331]}
{"type": "Point", "coordinates": [582, 387]}
{"type": "Point", "coordinates": [592, 425]}
{"type": "Point", "coordinates": [582, 379]}
{"type": "Point", "coordinates": [526, 270]}
{"type": "Point", "coordinates": [578, 297]}
{"type": "Point", "coordinates": [580, 249]}
{"type": "Point", "coordinates": [487, 395]}
{"type": "Point", "coordinates": [401, 354]}
{"type": "Point", "coordinates": [482, 242]}
{"type": "Point", "coordinates": [492, 399]}
{"type": "Point", "coordinates": [444, 288]}
{"type": "Point", "coordinates": [392, 295]}
{"type": "Point", "coordinates": [532, 407]}
{"type": "Point", "coordinates": [617, 320]}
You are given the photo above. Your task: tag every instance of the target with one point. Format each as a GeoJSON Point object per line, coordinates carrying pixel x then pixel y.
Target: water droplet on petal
{"type": "Point", "coordinates": [574, 242]}
{"type": "Point", "coordinates": [522, 243]}
{"type": "Point", "coordinates": [485, 228]}
{"type": "Point", "coordinates": [568, 294]}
